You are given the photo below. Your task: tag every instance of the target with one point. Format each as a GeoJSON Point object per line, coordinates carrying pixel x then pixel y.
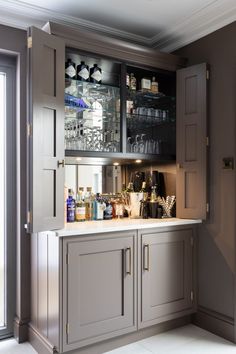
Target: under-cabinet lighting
{"type": "Point", "coordinates": [138, 161]}
{"type": "Point", "coordinates": [78, 158]}
{"type": "Point", "coordinates": [116, 163]}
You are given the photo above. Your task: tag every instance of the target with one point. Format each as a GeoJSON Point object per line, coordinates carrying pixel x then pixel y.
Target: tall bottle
{"type": "Point", "coordinates": [88, 204]}
{"type": "Point", "coordinates": [99, 207]}
{"type": "Point", "coordinates": [96, 74]}
{"type": "Point", "coordinates": [82, 72]}
{"type": "Point", "coordinates": [70, 72]}
{"type": "Point", "coordinates": [80, 206]}
{"type": "Point", "coordinates": [154, 85]}
{"type": "Point", "coordinates": [70, 202]}
{"type": "Point", "coordinates": [133, 82]}
{"type": "Point", "coordinates": [144, 191]}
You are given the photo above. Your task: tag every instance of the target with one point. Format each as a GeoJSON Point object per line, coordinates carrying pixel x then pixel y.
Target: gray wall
{"type": "Point", "coordinates": [13, 42]}
{"type": "Point", "coordinates": [216, 239]}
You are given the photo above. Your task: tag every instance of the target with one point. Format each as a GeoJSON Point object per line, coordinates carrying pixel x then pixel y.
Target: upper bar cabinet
{"type": "Point", "coordinates": [98, 121]}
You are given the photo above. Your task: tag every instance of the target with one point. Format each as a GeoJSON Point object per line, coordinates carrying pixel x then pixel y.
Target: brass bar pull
{"type": "Point", "coordinates": [129, 261]}
{"type": "Point", "coordinates": [61, 163]}
{"type": "Point", "coordinates": [146, 257]}
{"type": "Point", "coordinates": [179, 166]}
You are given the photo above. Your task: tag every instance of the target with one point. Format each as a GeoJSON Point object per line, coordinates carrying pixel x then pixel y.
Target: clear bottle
{"type": "Point", "coordinates": [80, 206]}
{"type": "Point", "coordinates": [130, 187]}
{"type": "Point", "coordinates": [154, 85]}
{"type": "Point", "coordinates": [70, 72]}
{"type": "Point", "coordinates": [96, 74]}
{"type": "Point", "coordinates": [70, 203]}
{"type": "Point", "coordinates": [144, 191]}
{"type": "Point", "coordinates": [99, 207]}
{"type": "Point", "coordinates": [82, 72]}
{"type": "Point", "coordinates": [133, 82]}
{"type": "Point", "coordinates": [127, 81]}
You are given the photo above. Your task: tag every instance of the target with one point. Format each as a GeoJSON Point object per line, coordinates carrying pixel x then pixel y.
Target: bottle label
{"type": "Point", "coordinates": [80, 213]}
{"type": "Point", "coordinates": [70, 71]}
{"type": "Point", "coordinates": [97, 75]}
{"type": "Point", "coordinates": [84, 73]}
{"type": "Point", "coordinates": [70, 214]}
{"type": "Point", "coordinates": [146, 84]}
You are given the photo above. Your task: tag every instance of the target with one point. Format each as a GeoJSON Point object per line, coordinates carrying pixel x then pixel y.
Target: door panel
{"type": "Point", "coordinates": [100, 295]}
{"type": "Point", "coordinates": [46, 143]}
{"type": "Point", "coordinates": [191, 142]}
{"type": "Point", "coordinates": [166, 274]}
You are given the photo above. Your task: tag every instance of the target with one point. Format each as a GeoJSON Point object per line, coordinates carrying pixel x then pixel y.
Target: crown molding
{"type": "Point", "coordinates": [211, 17]}
{"type": "Point", "coordinates": [23, 15]}
{"type": "Point", "coordinates": [205, 21]}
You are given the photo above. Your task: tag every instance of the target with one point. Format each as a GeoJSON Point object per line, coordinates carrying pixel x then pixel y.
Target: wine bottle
{"type": "Point", "coordinates": [96, 74]}
{"type": "Point", "coordinates": [70, 72]}
{"type": "Point", "coordinates": [82, 72]}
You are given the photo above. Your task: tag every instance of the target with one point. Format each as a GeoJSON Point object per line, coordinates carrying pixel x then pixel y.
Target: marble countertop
{"type": "Point", "coordinates": [95, 227]}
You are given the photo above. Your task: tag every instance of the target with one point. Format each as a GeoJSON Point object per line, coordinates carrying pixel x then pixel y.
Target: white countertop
{"type": "Point", "coordinates": [94, 227]}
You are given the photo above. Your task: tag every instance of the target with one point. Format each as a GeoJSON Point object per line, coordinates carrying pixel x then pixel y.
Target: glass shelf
{"type": "Point", "coordinates": [92, 116]}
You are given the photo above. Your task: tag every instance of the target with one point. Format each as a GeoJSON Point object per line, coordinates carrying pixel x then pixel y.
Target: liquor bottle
{"type": "Point", "coordinates": [154, 85]}
{"type": "Point", "coordinates": [127, 81]}
{"type": "Point", "coordinates": [88, 204]}
{"type": "Point", "coordinates": [133, 82]}
{"type": "Point", "coordinates": [82, 72]}
{"type": "Point", "coordinates": [145, 84]}
{"type": "Point", "coordinates": [70, 202]}
{"type": "Point", "coordinates": [80, 206]}
{"type": "Point", "coordinates": [144, 191]}
{"type": "Point", "coordinates": [153, 194]}
{"type": "Point", "coordinates": [99, 207]}
{"type": "Point", "coordinates": [107, 215]}
{"type": "Point", "coordinates": [70, 71]}
{"type": "Point", "coordinates": [96, 74]}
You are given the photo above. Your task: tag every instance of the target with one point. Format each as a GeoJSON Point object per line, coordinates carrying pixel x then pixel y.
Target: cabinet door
{"type": "Point", "coordinates": [46, 134]}
{"type": "Point", "coordinates": [191, 142]}
{"type": "Point", "coordinates": [166, 275]}
{"type": "Point", "coordinates": [99, 301]}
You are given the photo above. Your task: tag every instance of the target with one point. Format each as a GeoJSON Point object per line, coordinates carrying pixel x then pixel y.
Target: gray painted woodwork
{"type": "Point", "coordinates": [46, 145]}
{"type": "Point", "coordinates": [191, 142]}
{"type": "Point", "coordinates": [119, 49]}
{"type": "Point", "coordinates": [100, 295]}
{"type": "Point", "coordinates": [167, 274]}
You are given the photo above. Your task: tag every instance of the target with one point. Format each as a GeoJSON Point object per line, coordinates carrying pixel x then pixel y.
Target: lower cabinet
{"type": "Point", "coordinates": [99, 288]}
{"type": "Point", "coordinates": [167, 275]}
{"type": "Point", "coordinates": [86, 289]}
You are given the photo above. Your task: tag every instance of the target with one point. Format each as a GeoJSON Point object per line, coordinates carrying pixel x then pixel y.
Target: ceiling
{"type": "Point", "coordinates": [163, 24]}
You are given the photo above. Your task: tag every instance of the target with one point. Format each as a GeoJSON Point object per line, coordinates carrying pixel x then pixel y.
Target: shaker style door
{"type": "Point", "coordinates": [191, 144]}
{"type": "Point", "coordinates": [46, 132]}
{"type": "Point", "coordinates": [166, 275]}
{"type": "Point", "coordinates": [99, 299]}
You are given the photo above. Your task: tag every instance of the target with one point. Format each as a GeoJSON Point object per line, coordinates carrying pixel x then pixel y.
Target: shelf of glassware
{"type": "Point", "coordinates": [92, 116]}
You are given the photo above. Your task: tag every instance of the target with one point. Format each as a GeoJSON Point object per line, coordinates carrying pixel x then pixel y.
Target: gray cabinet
{"type": "Point", "coordinates": [98, 288]}
{"type": "Point", "coordinates": [166, 270]}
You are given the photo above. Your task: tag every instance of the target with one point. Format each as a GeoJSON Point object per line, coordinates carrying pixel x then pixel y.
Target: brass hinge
{"type": "Point", "coordinates": [207, 207]}
{"type": "Point", "coordinates": [29, 217]}
{"type": "Point", "coordinates": [29, 129]}
{"type": "Point", "coordinates": [29, 42]}
{"type": "Point", "coordinates": [67, 328]}
{"type": "Point", "coordinates": [207, 141]}
{"type": "Point", "coordinates": [67, 258]}
{"type": "Point", "coordinates": [208, 74]}
{"type": "Point", "coordinates": [192, 296]}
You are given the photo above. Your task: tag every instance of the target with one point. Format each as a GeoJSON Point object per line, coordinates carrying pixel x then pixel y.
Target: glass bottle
{"type": "Point", "coordinates": [154, 85]}
{"type": "Point", "coordinates": [82, 72]}
{"type": "Point", "coordinates": [133, 82]}
{"type": "Point", "coordinates": [145, 84]}
{"type": "Point", "coordinates": [88, 204]}
{"type": "Point", "coordinates": [130, 188]}
{"type": "Point", "coordinates": [153, 194]}
{"type": "Point", "coordinates": [70, 72]}
{"type": "Point", "coordinates": [70, 203]}
{"type": "Point", "coordinates": [127, 81]}
{"type": "Point", "coordinates": [96, 74]}
{"type": "Point", "coordinates": [99, 207]}
{"type": "Point", "coordinates": [80, 206]}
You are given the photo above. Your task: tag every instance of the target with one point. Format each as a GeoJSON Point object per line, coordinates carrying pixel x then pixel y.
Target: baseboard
{"type": "Point", "coordinates": [20, 330]}
{"type": "Point", "coordinates": [40, 343]}
{"type": "Point", "coordinates": [215, 322]}
{"type": "Point", "coordinates": [42, 346]}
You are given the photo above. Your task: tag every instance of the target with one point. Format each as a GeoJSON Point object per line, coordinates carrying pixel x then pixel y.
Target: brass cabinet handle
{"type": "Point", "coordinates": [61, 163]}
{"type": "Point", "coordinates": [146, 257]}
{"type": "Point", "coordinates": [128, 250]}
{"type": "Point", "coordinates": [179, 166]}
